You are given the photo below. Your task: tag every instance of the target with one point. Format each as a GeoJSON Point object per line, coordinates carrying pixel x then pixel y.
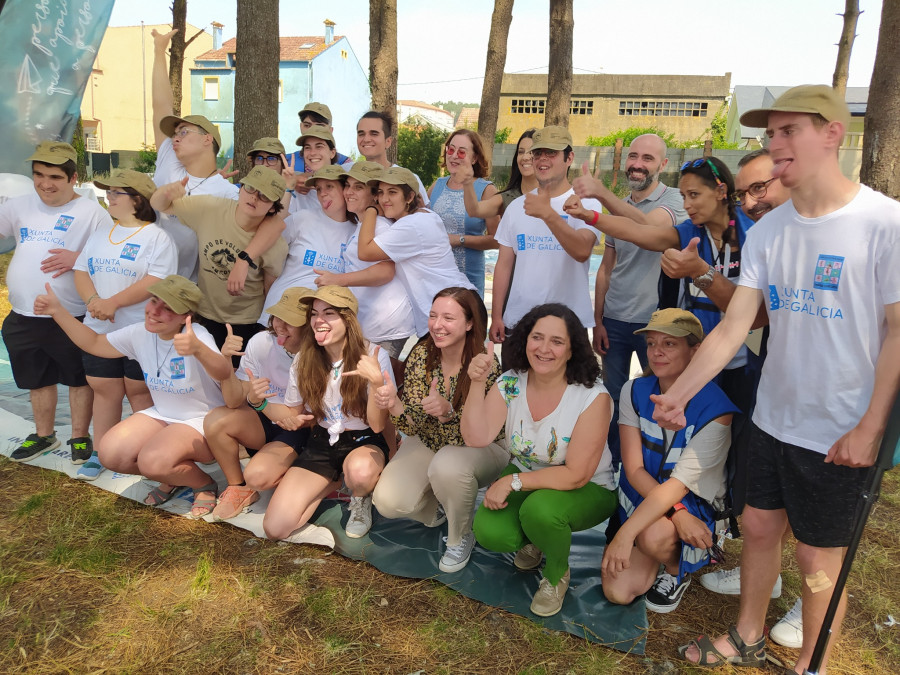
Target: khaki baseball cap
{"type": "Point", "coordinates": [316, 131]}
{"type": "Point", "coordinates": [268, 144]}
{"type": "Point", "coordinates": [319, 109]}
{"type": "Point", "coordinates": [53, 152]}
{"type": "Point", "coordinates": [807, 98]}
{"type": "Point", "coordinates": [168, 124]}
{"type": "Point", "coordinates": [290, 309]}
{"type": "Point", "coordinates": [269, 183]}
{"type": "Point", "coordinates": [327, 172]}
{"type": "Point", "coordinates": [336, 296]}
{"type": "Point", "coordinates": [365, 171]}
{"type": "Point", "coordinates": [397, 175]}
{"type": "Point", "coordinates": [674, 322]}
{"type": "Point", "coordinates": [130, 179]}
{"type": "Point", "coordinates": [180, 294]}
{"type": "Point", "coordinates": [551, 138]}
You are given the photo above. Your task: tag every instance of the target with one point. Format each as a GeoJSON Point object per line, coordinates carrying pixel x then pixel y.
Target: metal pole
{"type": "Point", "coordinates": [144, 81]}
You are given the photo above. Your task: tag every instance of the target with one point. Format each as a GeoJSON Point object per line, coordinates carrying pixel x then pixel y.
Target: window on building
{"type": "Point", "coordinates": [663, 108]}
{"type": "Point", "coordinates": [211, 88]}
{"type": "Point", "coordinates": [528, 106]}
{"type": "Point", "coordinates": [581, 107]}
{"type": "Point", "coordinates": [344, 54]}
{"type": "Point", "coordinates": [280, 91]}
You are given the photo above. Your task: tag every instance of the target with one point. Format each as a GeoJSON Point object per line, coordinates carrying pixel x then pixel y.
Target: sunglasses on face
{"type": "Point", "coordinates": [697, 163]}
{"type": "Point", "coordinates": [461, 153]}
{"type": "Point", "coordinates": [268, 160]}
{"type": "Point", "coordinates": [253, 192]}
{"type": "Point", "coordinates": [544, 152]}
{"type": "Point", "coordinates": [756, 190]}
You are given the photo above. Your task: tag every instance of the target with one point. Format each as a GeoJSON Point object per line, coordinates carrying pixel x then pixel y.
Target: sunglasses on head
{"type": "Point", "coordinates": [697, 163]}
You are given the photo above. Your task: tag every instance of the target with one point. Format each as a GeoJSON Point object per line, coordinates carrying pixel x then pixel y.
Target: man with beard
{"type": "Point", "coordinates": [625, 293]}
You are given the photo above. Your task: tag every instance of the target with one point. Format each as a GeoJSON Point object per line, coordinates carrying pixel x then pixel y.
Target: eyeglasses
{"type": "Point", "coordinates": [181, 133]}
{"type": "Point", "coordinates": [461, 153]}
{"type": "Point", "coordinates": [543, 152]}
{"type": "Point", "coordinates": [697, 163]}
{"type": "Point", "coordinates": [268, 160]}
{"type": "Point", "coordinates": [253, 192]}
{"type": "Point", "coordinates": [756, 190]}
{"type": "Point", "coordinates": [117, 193]}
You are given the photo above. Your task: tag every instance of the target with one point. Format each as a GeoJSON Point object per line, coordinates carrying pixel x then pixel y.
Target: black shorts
{"type": "Point", "coordinates": [328, 460]}
{"type": "Point", "coordinates": [294, 439]}
{"type": "Point", "coordinates": [97, 366]}
{"type": "Point", "coordinates": [40, 353]}
{"type": "Point", "coordinates": [219, 332]}
{"type": "Point", "coordinates": [820, 499]}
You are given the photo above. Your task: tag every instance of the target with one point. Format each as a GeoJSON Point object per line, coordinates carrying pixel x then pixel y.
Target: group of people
{"type": "Point", "coordinates": [271, 316]}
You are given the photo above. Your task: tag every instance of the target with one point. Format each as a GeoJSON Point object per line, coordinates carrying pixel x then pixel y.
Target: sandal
{"type": "Point", "coordinates": [157, 497]}
{"type": "Point", "coordinates": [203, 506]}
{"type": "Point", "coordinates": [748, 655]}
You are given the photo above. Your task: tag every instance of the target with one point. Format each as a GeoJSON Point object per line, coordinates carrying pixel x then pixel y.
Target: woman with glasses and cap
{"type": "Point", "coordinates": [673, 483]}
{"type": "Point", "coordinates": [113, 273]}
{"type": "Point", "coordinates": [417, 242]}
{"type": "Point", "coordinates": [182, 367]}
{"type": "Point", "coordinates": [332, 389]}
{"type": "Point", "coordinates": [469, 237]}
{"type": "Point", "coordinates": [224, 228]}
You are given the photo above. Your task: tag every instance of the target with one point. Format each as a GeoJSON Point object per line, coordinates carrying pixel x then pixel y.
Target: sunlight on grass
{"type": "Point", "coordinates": [202, 577]}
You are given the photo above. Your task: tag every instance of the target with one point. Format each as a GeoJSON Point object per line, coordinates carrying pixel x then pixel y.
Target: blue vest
{"type": "Point", "coordinates": [474, 270]}
{"type": "Point", "coordinates": [709, 404]}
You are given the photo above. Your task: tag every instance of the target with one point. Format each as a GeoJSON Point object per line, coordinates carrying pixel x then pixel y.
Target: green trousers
{"type": "Point", "coordinates": [545, 518]}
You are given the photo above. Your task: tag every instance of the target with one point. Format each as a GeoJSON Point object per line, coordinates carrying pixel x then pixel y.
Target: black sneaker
{"type": "Point", "coordinates": [82, 447]}
{"type": "Point", "coordinates": [34, 445]}
{"type": "Point", "coordinates": [666, 593]}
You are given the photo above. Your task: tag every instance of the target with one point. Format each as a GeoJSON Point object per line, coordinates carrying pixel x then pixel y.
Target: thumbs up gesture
{"type": "Point", "coordinates": [537, 204]}
{"type": "Point", "coordinates": [481, 365]}
{"type": "Point", "coordinates": [386, 395]}
{"type": "Point", "coordinates": [186, 343]}
{"type": "Point", "coordinates": [47, 304]}
{"type": "Point", "coordinates": [233, 343]}
{"type": "Point", "coordinates": [259, 387]}
{"type": "Point", "coordinates": [434, 404]}
{"type": "Point", "coordinates": [679, 264]}
{"type": "Point", "coordinates": [588, 185]}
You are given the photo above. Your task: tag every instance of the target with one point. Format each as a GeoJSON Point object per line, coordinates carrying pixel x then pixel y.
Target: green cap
{"type": "Point", "coordinates": [53, 152]}
{"type": "Point", "coordinates": [397, 175]}
{"type": "Point", "coordinates": [365, 171]}
{"type": "Point", "coordinates": [269, 182]}
{"type": "Point", "coordinates": [168, 124]}
{"type": "Point", "coordinates": [327, 172]}
{"type": "Point", "coordinates": [336, 296]}
{"type": "Point", "coordinates": [319, 109]}
{"type": "Point", "coordinates": [290, 309]}
{"type": "Point", "coordinates": [268, 144]}
{"type": "Point", "coordinates": [551, 138]}
{"type": "Point", "coordinates": [316, 131]}
{"type": "Point", "coordinates": [180, 294]}
{"type": "Point", "coordinates": [674, 322]}
{"type": "Point", "coordinates": [807, 98]}
{"type": "Point", "coordinates": [130, 179]}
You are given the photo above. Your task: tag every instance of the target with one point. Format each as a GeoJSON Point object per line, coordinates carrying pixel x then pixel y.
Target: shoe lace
{"type": "Point", "coordinates": [665, 584]}
{"type": "Point", "coordinates": [546, 588]}
{"type": "Point", "coordinates": [357, 512]}
{"type": "Point", "coordinates": [794, 615]}
{"type": "Point", "coordinates": [457, 550]}
{"type": "Point", "coordinates": [730, 574]}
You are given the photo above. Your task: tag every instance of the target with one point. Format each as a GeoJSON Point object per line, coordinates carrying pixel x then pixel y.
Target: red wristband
{"type": "Point", "coordinates": [596, 218]}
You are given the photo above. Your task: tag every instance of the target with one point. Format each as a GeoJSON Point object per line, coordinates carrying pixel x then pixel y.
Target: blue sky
{"type": "Point", "coordinates": [442, 46]}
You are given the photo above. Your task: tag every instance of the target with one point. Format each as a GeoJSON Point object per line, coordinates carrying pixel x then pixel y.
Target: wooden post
{"type": "Point", "coordinates": [707, 148]}
{"type": "Point", "coordinates": [617, 162]}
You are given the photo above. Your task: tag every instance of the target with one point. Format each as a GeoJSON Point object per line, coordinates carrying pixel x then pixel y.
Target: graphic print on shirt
{"type": "Point", "coordinates": [221, 256]}
{"type": "Point", "coordinates": [828, 272]}
{"type": "Point", "coordinates": [63, 223]}
{"type": "Point", "coordinates": [130, 251]}
{"type": "Point", "coordinates": [521, 448]}
{"type": "Point", "coordinates": [332, 263]}
{"type": "Point", "coordinates": [826, 277]}
{"type": "Point", "coordinates": [176, 368]}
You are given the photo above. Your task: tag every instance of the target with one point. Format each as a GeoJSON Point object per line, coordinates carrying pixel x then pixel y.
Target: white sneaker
{"type": "Point", "coordinates": [728, 582]}
{"type": "Point", "coordinates": [457, 557]}
{"type": "Point", "coordinates": [360, 521]}
{"type": "Point", "coordinates": [788, 632]}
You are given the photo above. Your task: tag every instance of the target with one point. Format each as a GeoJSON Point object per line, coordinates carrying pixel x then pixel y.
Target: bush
{"type": "Point", "coordinates": [419, 148]}
{"type": "Point", "coordinates": [146, 160]}
{"type": "Point", "coordinates": [629, 134]}
{"type": "Point", "coordinates": [502, 135]}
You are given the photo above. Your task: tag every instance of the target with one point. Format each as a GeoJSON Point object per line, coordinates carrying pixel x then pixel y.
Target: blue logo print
{"type": "Point", "coordinates": [23, 234]}
{"type": "Point", "coordinates": [130, 251]}
{"type": "Point", "coordinates": [63, 223]}
{"type": "Point", "coordinates": [520, 242]}
{"type": "Point", "coordinates": [309, 258]}
{"type": "Point", "coordinates": [828, 272]}
{"type": "Point", "coordinates": [176, 368]}
{"type": "Point", "coordinates": [91, 270]}
{"type": "Point", "coordinates": [774, 302]}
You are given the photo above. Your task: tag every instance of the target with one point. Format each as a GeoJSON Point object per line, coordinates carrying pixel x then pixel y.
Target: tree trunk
{"type": "Point", "coordinates": [383, 62]}
{"type": "Point", "coordinates": [258, 53]}
{"type": "Point", "coordinates": [845, 46]}
{"type": "Point", "coordinates": [881, 141]}
{"type": "Point", "coordinates": [493, 75]}
{"type": "Point", "coordinates": [176, 53]}
{"type": "Point", "coordinates": [559, 79]}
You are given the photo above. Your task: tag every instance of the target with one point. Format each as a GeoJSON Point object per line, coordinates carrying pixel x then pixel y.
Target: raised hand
{"type": "Point", "coordinates": [161, 40]}
{"type": "Point", "coordinates": [481, 365]}
{"type": "Point", "coordinates": [434, 404]}
{"type": "Point", "coordinates": [465, 174]}
{"type": "Point", "coordinates": [574, 208]}
{"type": "Point", "coordinates": [186, 342]}
{"type": "Point", "coordinates": [537, 204]}
{"type": "Point", "coordinates": [684, 263]}
{"type": "Point", "coordinates": [369, 368]}
{"type": "Point", "coordinates": [225, 173]}
{"type": "Point", "coordinates": [386, 394]}
{"type": "Point", "coordinates": [47, 305]}
{"type": "Point", "coordinates": [232, 344]}
{"type": "Point", "coordinates": [290, 178]}
{"type": "Point", "coordinates": [259, 387]}
{"type": "Point", "coordinates": [588, 185]}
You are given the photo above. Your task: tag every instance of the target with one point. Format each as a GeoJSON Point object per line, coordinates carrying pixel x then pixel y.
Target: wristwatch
{"type": "Point", "coordinates": [247, 259]}
{"type": "Point", "coordinates": [462, 240]}
{"type": "Point", "coordinates": [516, 482]}
{"type": "Point", "coordinates": [704, 281]}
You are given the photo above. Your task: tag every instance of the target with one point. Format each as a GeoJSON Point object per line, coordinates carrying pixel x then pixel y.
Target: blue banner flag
{"type": "Point", "coordinates": [49, 47]}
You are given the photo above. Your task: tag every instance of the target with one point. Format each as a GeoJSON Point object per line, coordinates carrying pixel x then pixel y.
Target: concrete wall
{"type": "Point", "coordinates": [117, 103]}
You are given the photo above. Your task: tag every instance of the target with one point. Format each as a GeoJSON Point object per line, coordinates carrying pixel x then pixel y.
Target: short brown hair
{"type": "Point", "coordinates": [480, 167]}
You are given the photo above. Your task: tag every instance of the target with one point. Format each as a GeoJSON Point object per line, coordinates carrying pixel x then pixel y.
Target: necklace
{"type": "Point", "coordinates": [115, 225]}
{"type": "Point", "coordinates": [159, 364]}
{"type": "Point", "coordinates": [336, 369]}
{"type": "Point", "coordinates": [201, 182]}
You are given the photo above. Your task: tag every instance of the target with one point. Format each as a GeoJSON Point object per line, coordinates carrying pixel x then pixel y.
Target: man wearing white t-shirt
{"type": "Point", "coordinates": [186, 147]}
{"type": "Point", "coordinates": [550, 251]}
{"type": "Point", "coordinates": [826, 265]}
{"type": "Point", "coordinates": [51, 226]}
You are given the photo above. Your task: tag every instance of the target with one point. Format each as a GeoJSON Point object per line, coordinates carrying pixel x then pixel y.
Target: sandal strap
{"type": "Point", "coordinates": [706, 647]}
{"type": "Point", "coordinates": [212, 486]}
{"type": "Point", "coordinates": [754, 650]}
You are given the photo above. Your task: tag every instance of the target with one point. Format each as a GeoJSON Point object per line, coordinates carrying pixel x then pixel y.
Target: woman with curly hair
{"type": "Point", "coordinates": [557, 416]}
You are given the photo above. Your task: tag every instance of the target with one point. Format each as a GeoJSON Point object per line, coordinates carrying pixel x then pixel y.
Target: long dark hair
{"type": "Point", "coordinates": [474, 310]}
{"type": "Point", "coordinates": [515, 175]}
{"type": "Point", "coordinates": [582, 367]}
{"type": "Point", "coordinates": [705, 173]}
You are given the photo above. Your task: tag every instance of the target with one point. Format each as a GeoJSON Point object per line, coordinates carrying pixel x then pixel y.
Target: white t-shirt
{"type": "Point", "coordinates": [113, 267]}
{"type": "Point", "coordinates": [304, 202]}
{"type": "Point", "coordinates": [168, 170]}
{"type": "Point", "coordinates": [423, 193]}
{"type": "Point", "coordinates": [418, 245]}
{"type": "Point", "coordinates": [538, 445]}
{"type": "Point", "coordinates": [264, 357]}
{"type": "Point", "coordinates": [544, 271]}
{"type": "Point", "coordinates": [384, 311]}
{"type": "Point", "coordinates": [315, 242]}
{"type": "Point", "coordinates": [37, 229]}
{"type": "Point", "coordinates": [181, 389]}
{"type": "Point", "coordinates": [335, 421]}
{"type": "Point", "coordinates": [825, 283]}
